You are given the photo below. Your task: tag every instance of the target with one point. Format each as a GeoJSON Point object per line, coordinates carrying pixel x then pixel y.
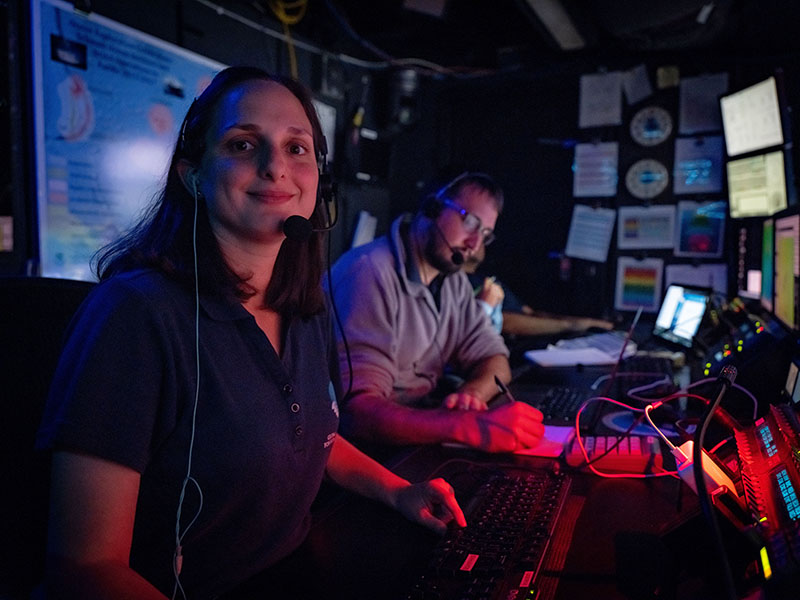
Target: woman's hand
{"type": "Point", "coordinates": [430, 503]}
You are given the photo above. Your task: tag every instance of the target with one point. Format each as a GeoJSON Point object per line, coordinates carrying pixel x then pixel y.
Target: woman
{"type": "Point", "coordinates": [193, 418]}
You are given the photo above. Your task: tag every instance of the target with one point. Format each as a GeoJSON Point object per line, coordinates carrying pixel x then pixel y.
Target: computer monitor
{"type": "Point", "coordinates": [749, 258]}
{"type": "Point", "coordinates": [757, 185]}
{"type": "Point", "coordinates": [787, 269]}
{"type": "Point", "coordinates": [791, 388]}
{"type": "Point", "coordinates": [767, 266]}
{"type": "Point", "coordinates": [751, 118]}
{"type": "Point", "coordinates": [681, 313]}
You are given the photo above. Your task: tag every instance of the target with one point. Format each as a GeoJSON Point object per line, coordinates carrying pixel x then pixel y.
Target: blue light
{"type": "Point", "coordinates": [789, 495]}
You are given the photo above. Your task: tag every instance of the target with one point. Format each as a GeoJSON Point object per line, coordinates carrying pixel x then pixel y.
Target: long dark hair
{"type": "Point", "coordinates": [162, 238]}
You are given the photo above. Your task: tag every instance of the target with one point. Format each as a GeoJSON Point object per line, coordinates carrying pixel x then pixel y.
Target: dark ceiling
{"type": "Point", "coordinates": [491, 34]}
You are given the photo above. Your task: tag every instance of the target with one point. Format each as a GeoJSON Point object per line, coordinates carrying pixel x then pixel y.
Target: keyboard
{"type": "Point", "coordinates": [642, 370]}
{"type": "Point", "coordinates": [559, 404]}
{"type": "Point", "coordinates": [610, 342]}
{"type": "Point", "coordinates": [511, 519]}
{"type": "Point", "coordinates": [626, 454]}
{"type": "Point", "coordinates": [644, 363]}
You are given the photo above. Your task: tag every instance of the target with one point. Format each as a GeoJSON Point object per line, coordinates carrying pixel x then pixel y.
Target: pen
{"type": "Point", "coordinates": [506, 392]}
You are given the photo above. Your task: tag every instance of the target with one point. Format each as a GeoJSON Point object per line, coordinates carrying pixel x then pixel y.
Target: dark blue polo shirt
{"type": "Point", "coordinates": [124, 390]}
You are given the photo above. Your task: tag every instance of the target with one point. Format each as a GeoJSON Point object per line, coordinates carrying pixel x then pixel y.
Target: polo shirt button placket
{"type": "Point", "coordinates": [294, 407]}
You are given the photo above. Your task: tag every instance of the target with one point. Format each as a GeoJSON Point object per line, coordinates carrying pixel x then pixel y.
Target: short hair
{"type": "Point", "coordinates": [162, 238]}
{"type": "Point", "coordinates": [481, 180]}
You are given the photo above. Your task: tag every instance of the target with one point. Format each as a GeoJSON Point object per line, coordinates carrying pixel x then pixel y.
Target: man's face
{"type": "Point", "coordinates": [463, 223]}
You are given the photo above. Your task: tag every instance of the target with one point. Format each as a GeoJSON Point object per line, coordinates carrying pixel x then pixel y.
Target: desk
{"type": "Point", "coordinates": [359, 549]}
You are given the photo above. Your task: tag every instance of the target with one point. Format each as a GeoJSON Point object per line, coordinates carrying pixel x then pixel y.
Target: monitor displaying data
{"type": "Point", "coordinates": [680, 314]}
{"type": "Point", "coordinates": [751, 118]}
{"type": "Point", "coordinates": [748, 258]}
{"type": "Point", "coordinates": [757, 185]}
{"type": "Point", "coordinates": [787, 269]}
{"type": "Point", "coordinates": [767, 267]}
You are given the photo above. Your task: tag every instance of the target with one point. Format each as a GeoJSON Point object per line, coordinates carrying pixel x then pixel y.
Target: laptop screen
{"type": "Point", "coordinates": [680, 314]}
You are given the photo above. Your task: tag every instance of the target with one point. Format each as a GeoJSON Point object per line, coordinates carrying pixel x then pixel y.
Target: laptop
{"type": "Point", "coordinates": [681, 314]}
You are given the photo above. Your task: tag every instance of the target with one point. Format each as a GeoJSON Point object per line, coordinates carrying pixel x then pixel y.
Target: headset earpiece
{"type": "Point", "coordinates": [193, 179]}
{"type": "Point", "coordinates": [326, 188]}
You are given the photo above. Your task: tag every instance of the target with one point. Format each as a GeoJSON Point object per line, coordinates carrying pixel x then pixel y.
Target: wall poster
{"type": "Point", "coordinates": [108, 102]}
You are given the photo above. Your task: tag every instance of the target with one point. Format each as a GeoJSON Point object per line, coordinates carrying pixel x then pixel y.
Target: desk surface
{"type": "Point", "coordinates": [617, 539]}
{"type": "Point", "coordinates": [363, 550]}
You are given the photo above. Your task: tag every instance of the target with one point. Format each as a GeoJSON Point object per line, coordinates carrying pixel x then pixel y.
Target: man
{"type": "Point", "coordinates": [512, 317]}
{"type": "Point", "coordinates": [408, 312]}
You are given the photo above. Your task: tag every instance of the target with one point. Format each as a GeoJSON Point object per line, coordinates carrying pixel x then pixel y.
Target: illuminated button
{"type": "Point", "coordinates": [298, 431]}
{"type": "Point", "coordinates": [295, 407]}
{"type": "Point", "coordinates": [287, 389]}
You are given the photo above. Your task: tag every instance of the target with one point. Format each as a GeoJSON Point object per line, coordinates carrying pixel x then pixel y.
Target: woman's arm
{"type": "Point", "coordinates": [431, 503]}
{"type": "Point", "coordinates": [92, 509]}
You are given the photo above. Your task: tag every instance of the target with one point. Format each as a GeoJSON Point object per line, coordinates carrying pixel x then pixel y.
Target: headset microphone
{"type": "Point", "coordinates": [299, 228]}
{"type": "Point", "coordinates": [457, 257]}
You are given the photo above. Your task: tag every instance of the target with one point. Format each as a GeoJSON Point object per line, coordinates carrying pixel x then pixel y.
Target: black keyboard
{"type": "Point", "coordinates": [642, 370]}
{"type": "Point", "coordinates": [559, 404]}
{"type": "Point", "coordinates": [510, 521]}
{"type": "Point", "coordinates": [643, 363]}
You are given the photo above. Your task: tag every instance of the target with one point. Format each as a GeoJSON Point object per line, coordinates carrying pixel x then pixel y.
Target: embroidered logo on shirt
{"type": "Point", "coordinates": [335, 408]}
{"type": "Point", "coordinates": [334, 404]}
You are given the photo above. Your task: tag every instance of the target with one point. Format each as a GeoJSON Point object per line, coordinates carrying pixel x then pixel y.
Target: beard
{"type": "Point", "coordinates": [438, 255]}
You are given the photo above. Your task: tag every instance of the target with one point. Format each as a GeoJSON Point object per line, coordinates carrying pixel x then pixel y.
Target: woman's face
{"type": "Point", "coordinates": [259, 166]}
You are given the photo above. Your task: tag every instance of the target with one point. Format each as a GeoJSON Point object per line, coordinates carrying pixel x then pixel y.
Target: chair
{"type": "Point", "coordinates": [34, 314]}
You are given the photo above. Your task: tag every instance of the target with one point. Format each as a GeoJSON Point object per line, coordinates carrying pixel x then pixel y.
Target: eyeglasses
{"type": "Point", "coordinates": [471, 223]}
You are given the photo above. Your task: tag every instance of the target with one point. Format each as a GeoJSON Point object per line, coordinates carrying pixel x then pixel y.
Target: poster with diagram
{"type": "Point", "coordinates": [108, 103]}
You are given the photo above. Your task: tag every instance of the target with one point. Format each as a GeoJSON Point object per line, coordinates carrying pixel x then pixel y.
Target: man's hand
{"type": "Point", "coordinates": [506, 428]}
{"type": "Point", "coordinates": [584, 323]}
{"type": "Point", "coordinates": [464, 399]}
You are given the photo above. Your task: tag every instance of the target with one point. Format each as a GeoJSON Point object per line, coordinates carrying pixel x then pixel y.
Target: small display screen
{"type": "Point", "coordinates": [680, 314]}
{"type": "Point", "coordinates": [786, 490]}
{"type": "Point", "coordinates": [791, 388]}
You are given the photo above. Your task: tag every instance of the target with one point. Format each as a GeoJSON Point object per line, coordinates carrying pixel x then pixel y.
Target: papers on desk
{"type": "Point", "coordinates": [596, 349]}
{"type": "Point", "coordinates": [569, 357]}
{"type": "Point", "coordinates": [552, 445]}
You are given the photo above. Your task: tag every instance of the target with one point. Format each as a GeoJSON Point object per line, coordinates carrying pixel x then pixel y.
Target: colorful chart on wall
{"type": "Point", "coordinates": [642, 227]}
{"type": "Point", "coordinates": [638, 283]}
{"type": "Point", "coordinates": [108, 102]}
{"type": "Point", "coordinates": [698, 165]}
{"type": "Point", "coordinates": [701, 228]}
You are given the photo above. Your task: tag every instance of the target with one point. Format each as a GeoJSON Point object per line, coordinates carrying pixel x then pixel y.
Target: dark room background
{"type": "Point", "coordinates": [440, 94]}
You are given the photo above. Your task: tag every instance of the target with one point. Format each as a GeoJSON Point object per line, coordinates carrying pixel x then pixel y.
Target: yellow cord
{"type": "Point", "coordinates": [289, 12]}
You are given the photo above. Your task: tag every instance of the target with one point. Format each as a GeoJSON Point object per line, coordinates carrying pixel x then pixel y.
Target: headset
{"type": "Point", "coordinates": [193, 180]}
{"type": "Point", "coordinates": [294, 227]}
{"type": "Point", "coordinates": [299, 228]}
{"type": "Point", "coordinates": [432, 207]}
{"type": "Point", "coordinates": [433, 204]}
